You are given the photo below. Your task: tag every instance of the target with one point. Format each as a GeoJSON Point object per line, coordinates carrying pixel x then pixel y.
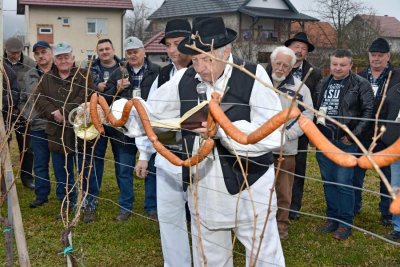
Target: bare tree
{"type": "Point", "coordinates": [360, 32]}
{"type": "Point", "coordinates": [339, 13]}
{"type": "Point", "coordinates": [136, 22]}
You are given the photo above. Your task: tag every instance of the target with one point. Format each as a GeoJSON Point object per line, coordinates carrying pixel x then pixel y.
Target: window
{"type": "Point", "coordinates": [90, 54]}
{"type": "Point", "coordinates": [45, 30]}
{"type": "Point", "coordinates": [96, 26]}
{"type": "Point", "coordinates": [65, 21]}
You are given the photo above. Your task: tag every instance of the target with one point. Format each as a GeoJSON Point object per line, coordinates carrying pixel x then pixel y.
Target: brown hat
{"type": "Point", "coordinates": [14, 44]}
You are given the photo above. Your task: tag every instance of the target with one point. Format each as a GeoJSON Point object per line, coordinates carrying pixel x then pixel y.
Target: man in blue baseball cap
{"type": "Point", "coordinates": [43, 56]}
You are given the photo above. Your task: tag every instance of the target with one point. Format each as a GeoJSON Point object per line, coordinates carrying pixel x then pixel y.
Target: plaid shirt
{"type": "Point", "coordinates": [136, 78]}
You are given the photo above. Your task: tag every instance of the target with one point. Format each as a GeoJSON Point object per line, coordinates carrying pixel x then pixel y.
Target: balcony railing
{"type": "Point", "coordinates": [260, 36]}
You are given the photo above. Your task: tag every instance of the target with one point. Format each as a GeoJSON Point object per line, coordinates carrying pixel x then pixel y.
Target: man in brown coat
{"type": "Point", "coordinates": [57, 98]}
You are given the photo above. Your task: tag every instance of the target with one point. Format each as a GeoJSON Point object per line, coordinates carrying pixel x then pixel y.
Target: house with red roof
{"type": "Point", "coordinates": [80, 23]}
{"type": "Point", "coordinates": [377, 26]}
{"type": "Point", "coordinates": [155, 51]}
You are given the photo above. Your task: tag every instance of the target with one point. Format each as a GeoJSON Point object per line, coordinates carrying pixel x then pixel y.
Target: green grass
{"type": "Point", "coordinates": [137, 242]}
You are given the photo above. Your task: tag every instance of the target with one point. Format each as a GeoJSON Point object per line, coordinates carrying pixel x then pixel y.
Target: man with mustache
{"type": "Point", "coordinates": [301, 46]}
{"type": "Point", "coordinates": [280, 72]}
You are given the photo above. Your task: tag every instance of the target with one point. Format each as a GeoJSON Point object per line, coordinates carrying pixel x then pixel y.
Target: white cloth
{"type": "Point", "coordinates": [172, 217]}
{"type": "Point", "coordinates": [216, 207]}
{"type": "Point", "coordinates": [293, 132]}
{"type": "Point", "coordinates": [171, 201]}
{"type": "Point", "coordinates": [217, 245]}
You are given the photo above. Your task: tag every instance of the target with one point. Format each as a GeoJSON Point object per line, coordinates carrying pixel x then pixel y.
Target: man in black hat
{"type": "Point", "coordinates": [20, 63]}
{"type": "Point", "coordinates": [301, 46]}
{"type": "Point", "coordinates": [220, 200]}
{"type": "Point", "coordinates": [171, 198]}
{"type": "Point", "coordinates": [377, 74]}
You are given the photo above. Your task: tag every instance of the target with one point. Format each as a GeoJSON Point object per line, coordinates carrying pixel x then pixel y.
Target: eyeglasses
{"type": "Point", "coordinates": [282, 65]}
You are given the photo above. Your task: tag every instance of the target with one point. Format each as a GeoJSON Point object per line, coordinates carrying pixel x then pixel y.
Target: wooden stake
{"type": "Point", "coordinates": [14, 212]}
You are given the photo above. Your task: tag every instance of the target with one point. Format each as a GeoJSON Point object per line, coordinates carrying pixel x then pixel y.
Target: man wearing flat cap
{"type": "Point", "coordinates": [20, 63]}
{"type": "Point", "coordinates": [301, 46]}
{"type": "Point", "coordinates": [171, 198]}
{"type": "Point", "coordinates": [61, 90]}
{"type": "Point", "coordinates": [135, 77]}
{"type": "Point", "coordinates": [377, 74]}
{"type": "Point", "coordinates": [220, 201]}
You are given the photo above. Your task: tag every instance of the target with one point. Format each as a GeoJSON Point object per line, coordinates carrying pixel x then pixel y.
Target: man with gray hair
{"type": "Point", "coordinates": [136, 77]}
{"type": "Point", "coordinates": [59, 93]}
{"type": "Point", "coordinates": [280, 72]}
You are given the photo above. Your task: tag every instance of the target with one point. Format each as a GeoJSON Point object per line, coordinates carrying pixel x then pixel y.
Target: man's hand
{"type": "Point", "coordinates": [346, 140]}
{"type": "Point", "coordinates": [101, 86]}
{"type": "Point", "coordinates": [141, 168]}
{"type": "Point", "coordinates": [123, 83]}
{"type": "Point", "coordinates": [58, 117]}
{"type": "Point", "coordinates": [203, 130]}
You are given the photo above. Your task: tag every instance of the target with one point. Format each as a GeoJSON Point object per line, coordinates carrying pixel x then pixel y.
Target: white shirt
{"type": "Point", "coordinates": [216, 206]}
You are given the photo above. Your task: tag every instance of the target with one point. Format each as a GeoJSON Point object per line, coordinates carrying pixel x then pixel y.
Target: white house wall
{"type": "Point", "coordinates": [275, 4]}
{"type": "Point", "coordinates": [76, 34]}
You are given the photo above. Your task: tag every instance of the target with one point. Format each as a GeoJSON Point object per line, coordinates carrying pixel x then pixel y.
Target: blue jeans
{"type": "Point", "coordinates": [62, 177]}
{"type": "Point", "coordinates": [358, 181]}
{"type": "Point", "coordinates": [339, 199]}
{"type": "Point", "coordinates": [96, 172]}
{"type": "Point", "coordinates": [124, 150]}
{"type": "Point", "coordinates": [150, 187]}
{"type": "Point", "coordinates": [395, 169]}
{"type": "Point", "coordinates": [41, 161]}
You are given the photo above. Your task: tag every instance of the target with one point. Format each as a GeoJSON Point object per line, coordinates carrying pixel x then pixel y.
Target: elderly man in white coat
{"type": "Point", "coordinates": [280, 72]}
{"type": "Point", "coordinates": [222, 203]}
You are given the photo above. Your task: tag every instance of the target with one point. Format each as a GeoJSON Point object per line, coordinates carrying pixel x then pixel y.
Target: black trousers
{"type": "Point", "coordinates": [300, 172]}
{"type": "Point", "coordinates": [27, 155]}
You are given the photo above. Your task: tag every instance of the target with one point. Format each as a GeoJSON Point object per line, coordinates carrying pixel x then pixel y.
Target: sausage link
{"type": "Point", "coordinates": [382, 158]}
{"type": "Point", "coordinates": [333, 153]}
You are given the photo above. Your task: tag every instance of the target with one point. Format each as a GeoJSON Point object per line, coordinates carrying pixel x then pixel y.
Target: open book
{"type": "Point", "coordinates": [191, 120]}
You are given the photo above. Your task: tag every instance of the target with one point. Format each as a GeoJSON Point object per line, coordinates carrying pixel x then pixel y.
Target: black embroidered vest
{"type": "Point", "coordinates": [238, 91]}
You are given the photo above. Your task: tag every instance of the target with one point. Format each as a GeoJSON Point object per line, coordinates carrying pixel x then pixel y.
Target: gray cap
{"type": "Point", "coordinates": [132, 43]}
{"type": "Point", "coordinates": [61, 48]}
{"type": "Point", "coordinates": [14, 44]}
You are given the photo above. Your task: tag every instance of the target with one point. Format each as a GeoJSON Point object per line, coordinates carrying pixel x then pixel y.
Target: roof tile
{"type": "Point", "coordinates": [388, 26]}
{"type": "Point", "coordinates": [153, 44]}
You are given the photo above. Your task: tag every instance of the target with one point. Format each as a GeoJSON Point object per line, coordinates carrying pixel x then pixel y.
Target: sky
{"type": "Point", "coordinates": [14, 24]}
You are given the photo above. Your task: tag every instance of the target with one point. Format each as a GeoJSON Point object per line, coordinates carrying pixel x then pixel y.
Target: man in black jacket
{"type": "Point", "coordinates": [301, 46]}
{"type": "Point", "coordinates": [136, 77]}
{"type": "Point", "coordinates": [102, 67]}
{"type": "Point", "coordinates": [21, 64]}
{"type": "Point", "coordinates": [348, 98]}
{"type": "Point", "coordinates": [9, 99]}
{"type": "Point", "coordinates": [377, 74]}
